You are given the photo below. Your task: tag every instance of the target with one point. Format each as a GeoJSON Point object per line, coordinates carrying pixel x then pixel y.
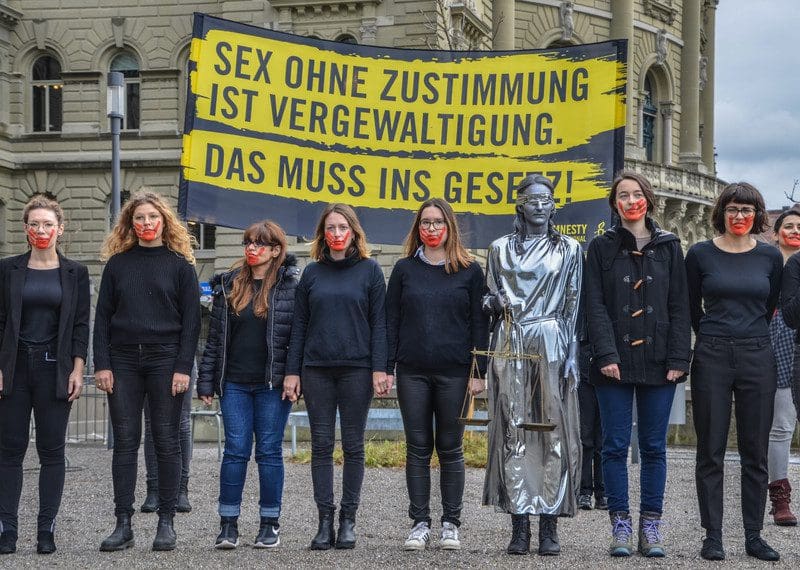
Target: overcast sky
{"type": "Point", "coordinates": [758, 95]}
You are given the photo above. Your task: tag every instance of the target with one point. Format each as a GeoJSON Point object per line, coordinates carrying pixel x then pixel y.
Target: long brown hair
{"type": "Point", "coordinates": [269, 233]}
{"type": "Point", "coordinates": [123, 237]}
{"type": "Point", "coordinates": [456, 255]}
{"type": "Point", "coordinates": [359, 244]}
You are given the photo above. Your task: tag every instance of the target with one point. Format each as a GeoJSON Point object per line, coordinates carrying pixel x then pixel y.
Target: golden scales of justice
{"type": "Point", "coordinates": [507, 352]}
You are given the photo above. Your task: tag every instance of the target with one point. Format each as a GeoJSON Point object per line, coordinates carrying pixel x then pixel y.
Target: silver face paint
{"type": "Point", "coordinates": [534, 472]}
{"type": "Point", "coordinates": [537, 205]}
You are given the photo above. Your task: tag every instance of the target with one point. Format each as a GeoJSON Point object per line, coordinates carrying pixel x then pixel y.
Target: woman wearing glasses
{"type": "Point", "coordinates": [244, 363]}
{"type": "Point", "coordinates": [638, 321]}
{"type": "Point", "coordinates": [734, 285]}
{"type": "Point", "coordinates": [146, 326]}
{"type": "Point", "coordinates": [434, 319]}
{"type": "Point", "coordinates": [338, 351]}
{"type": "Point", "coordinates": [44, 334]}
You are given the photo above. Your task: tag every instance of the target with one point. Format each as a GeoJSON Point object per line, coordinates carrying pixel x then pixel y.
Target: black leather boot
{"type": "Point", "coordinates": [346, 538]}
{"type": "Point", "coordinates": [548, 536]}
{"type": "Point", "coordinates": [520, 535]}
{"type": "Point", "coordinates": [165, 534]}
{"type": "Point", "coordinates": [121, 538]}
{"type": "Point", "coordinates": [45, 542]}
{"type": "Point", "coordinates": [8, 541]}
{"type": "Point", "coordinates": [326, 536]}
{"type": "Point", "coordinates": [150, 504]}
{"type": "Point", "coordinates": [183, 505]}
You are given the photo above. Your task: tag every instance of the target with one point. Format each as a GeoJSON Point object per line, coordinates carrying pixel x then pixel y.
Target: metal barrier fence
{"type": "Point", "coordinates": [88, 419]}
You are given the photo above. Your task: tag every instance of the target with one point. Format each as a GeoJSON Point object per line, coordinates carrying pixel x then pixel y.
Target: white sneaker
{"type": "Point", "coordinates": [449, 539]}
{"type": "Point", "coordinates": [419, 537]}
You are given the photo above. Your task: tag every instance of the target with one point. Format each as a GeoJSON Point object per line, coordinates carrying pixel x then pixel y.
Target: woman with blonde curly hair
{"type": "Point", "coordinates": [338, 348]}
{"type": "Point", "coordinates": [147, 322]}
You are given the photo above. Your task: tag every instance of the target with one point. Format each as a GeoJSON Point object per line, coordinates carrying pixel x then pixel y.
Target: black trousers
{"type": "Point", "coordinates": [723, 368]}
{"type": "Point", "coordinates": [591, 441]}
{"type": "Point", "coordinates": [430, 405]}
{"type": "Point", "coordinates": [326, 390]}
{"type": "Point", "coordinates": [145, 371]}
{"type": "Point", "coordinates": [34, 390]}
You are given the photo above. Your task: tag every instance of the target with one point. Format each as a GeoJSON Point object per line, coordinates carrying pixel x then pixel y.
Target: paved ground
{"type": "Point", "coordinates": [87, 517]}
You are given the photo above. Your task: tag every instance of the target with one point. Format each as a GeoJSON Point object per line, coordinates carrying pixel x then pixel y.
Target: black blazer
{"type": "Point", "coordinates": [73, 322]}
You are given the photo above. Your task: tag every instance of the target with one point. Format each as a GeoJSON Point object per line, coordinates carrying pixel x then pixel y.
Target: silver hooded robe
{"type": "Point", "coordinates": [534, 472]}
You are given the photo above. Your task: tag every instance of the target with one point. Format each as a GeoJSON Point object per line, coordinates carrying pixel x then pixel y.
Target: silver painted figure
{"type": "Point", "coordinates": [535, 275]}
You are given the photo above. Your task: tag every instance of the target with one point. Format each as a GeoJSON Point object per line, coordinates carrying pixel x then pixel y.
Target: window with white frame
{"type": "Point", "coordinates": [205, 234]}
{"type": "Point", "coordinates": [47, 90]}
{"type": "Point", "coordinates": [128, 65]}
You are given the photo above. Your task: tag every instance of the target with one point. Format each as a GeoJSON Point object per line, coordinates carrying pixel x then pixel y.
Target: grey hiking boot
{"type": "Point", "coordinates": [651, 545]}
{"type": "Point", "coordinates": [621, 534]}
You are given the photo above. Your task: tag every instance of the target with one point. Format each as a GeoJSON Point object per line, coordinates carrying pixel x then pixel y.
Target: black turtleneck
{"type": "Point", "coordinates": [148, 295]}
{"type": "Point", "coordinates": [339, 316]}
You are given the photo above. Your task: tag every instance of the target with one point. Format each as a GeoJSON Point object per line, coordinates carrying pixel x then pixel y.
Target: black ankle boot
{"type": "Point", "coordinates": [183, 505]}
{"type": "Point", "coordinates": [45, 542]}
{"type": "Point", "coordinates": [548, 536]}
{"type": "Point", "coordinates": [757, 547]}
{"type": "Point", "coordinates": [520, 535]}
{"type": "Point", "coordinates": [8, 542]}
{"type": "Point", "coordinates": [150, 504]}
{"type": "Point", "coordinates": [326, 537]}
{"type": "Point", "coordinates": [121, 538]}
{"type": "Point", "coordinates": [346, 538]}
{"type": "Point", "coordinates": [165, 534]}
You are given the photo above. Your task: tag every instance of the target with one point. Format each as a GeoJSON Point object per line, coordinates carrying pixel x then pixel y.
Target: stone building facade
{"type": "Point", "coordinates": [55, 55]}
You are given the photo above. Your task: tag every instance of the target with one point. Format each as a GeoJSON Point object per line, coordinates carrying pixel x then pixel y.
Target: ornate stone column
{"type": "Point", "coordinates": [503, 15]}
{"type": "Point", "coordinates": [369, 27]}
{"type": "Point", "coordinates": [666, 142]}
{"type": "Point", "coordinates": [622, 29]}
{"type": "Point", "coordinates": [707, 95]}
{"type": "Point", "coordinates": [690, 156]}
{"type": "Point", "coordinates": [8, 19]}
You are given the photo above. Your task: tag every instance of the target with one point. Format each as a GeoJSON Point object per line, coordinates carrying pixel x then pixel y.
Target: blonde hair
{"type": "Point", "coordinates": [271, 234]}
{"type": "Point", "coordinates": [456, 255]}
{"type": "Point", "coordinates": [319, 247]}
{"type": "Point", "coordinates": [42, 202]}
{"type": "Point", "coordinates": [123, 237]}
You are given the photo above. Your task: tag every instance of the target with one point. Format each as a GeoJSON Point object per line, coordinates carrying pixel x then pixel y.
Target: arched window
{"type": "Point", "coordinates": [649, 119]}
{"type": "Point", "coordinates": [47, 87]}
{"type": "Point", "coordinates": [127, 64]}
{"type": "Point", "coordinates": [205, 234]}
{"type": "Point", "coordinates": [346, 39]}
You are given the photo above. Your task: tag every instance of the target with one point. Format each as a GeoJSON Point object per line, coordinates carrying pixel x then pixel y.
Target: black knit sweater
{"type": "Point", "coordinates": [148, 295]}
{"type": "Point", "coordinates": [339, 316]}
{"type": "Point", "coordinates": [434, 318]}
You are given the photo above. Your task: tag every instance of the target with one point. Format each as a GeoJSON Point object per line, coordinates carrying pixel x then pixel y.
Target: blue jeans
{"type": "Point", "coordinates": [653, 405]}
{"type": "Point", "coordinates": [249, 409]}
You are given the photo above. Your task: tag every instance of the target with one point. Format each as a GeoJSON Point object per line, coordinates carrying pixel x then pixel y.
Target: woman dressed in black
{"type": "Point", "coordinates": [734, 285]}
{"type": "Point", "coordinates": [44, 335]}
{"type": "Point", "coordinates": [434, 319]}
{"type": "Point", "coordinates": [146, 326]}
{"type": "Point", "coordinates": [339, 344]}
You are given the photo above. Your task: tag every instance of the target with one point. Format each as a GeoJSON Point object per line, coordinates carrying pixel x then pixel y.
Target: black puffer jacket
{"type": "Point", "coordinates": [279, 328]}
{"type": "Point", "coordinates": [637, 306]}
